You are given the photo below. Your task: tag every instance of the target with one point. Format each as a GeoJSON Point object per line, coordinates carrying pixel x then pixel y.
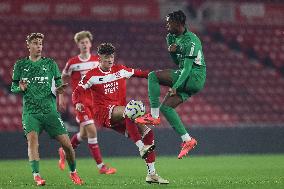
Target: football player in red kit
{"type": "Point", "coordinates": [106, 83]}
{"type": "Point", "coordinates": [74, 70]}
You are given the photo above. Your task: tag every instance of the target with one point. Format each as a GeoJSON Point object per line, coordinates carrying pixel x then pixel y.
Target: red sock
{"type": "Point", "coordinates": [148, 139]}
{"type": "Point", "coordinates": [132, 130]}
{"type": "Point", "coordinates": [76, 140]}
{"type": "Point", "coordinates": [95, 150]}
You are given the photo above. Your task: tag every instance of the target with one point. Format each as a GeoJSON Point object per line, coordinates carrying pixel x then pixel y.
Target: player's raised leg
{"type": "Point", "coordinates": [33, 154]}
{"type": "Point", "coordinates": [166, 78]}
{"type": "Point", "coordinates": [155, 78]}
{"type": "Point", "coordinates": [70, 157]}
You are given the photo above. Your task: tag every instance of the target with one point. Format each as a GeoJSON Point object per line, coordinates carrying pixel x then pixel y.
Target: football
{"type": "Point", "coordinates": [134, 109]}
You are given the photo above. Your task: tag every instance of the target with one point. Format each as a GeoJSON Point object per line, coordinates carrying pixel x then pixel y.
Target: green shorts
{"type": "Point", "coordinates": [193, 84]}
{"type": "Point", "coordinates": [50, 122]}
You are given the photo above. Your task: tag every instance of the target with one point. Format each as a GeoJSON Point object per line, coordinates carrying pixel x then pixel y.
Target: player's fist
{"type": "Point", "coordinates": [23, 85]}
{"type": "Point", "coordinates": [61, 88]}
{"type": "Point", "coordinates": [61, 103]}
{"type": "Point", "coordinates": [79, 107]}
{"type": "Point", "coordinates": [172, 48]}
{"type": "Point", "coordinates": [170, 39]}
{"type": "Point", "coordinates": [172, 91]}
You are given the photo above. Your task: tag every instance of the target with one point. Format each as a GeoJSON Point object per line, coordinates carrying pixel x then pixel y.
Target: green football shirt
{"type": "Point", "coordinates": [188, 55]}
{"type": "Point", "coordinates": [39, 75]}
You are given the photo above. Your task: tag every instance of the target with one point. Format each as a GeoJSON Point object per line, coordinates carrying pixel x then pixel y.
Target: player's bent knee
{"type": "Point", "coordinates": [91, 133]}
{"type": "Point", "coordinates": [152, 75]}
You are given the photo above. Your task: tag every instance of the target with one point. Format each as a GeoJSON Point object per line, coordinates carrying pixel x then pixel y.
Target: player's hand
{"type": "Point", "coordinates": [61, 88]}
{"type": "Point", "coordinates": [172, 48]}
{"type": "Point", "coordinates": [23, 85]}
{"type": "Point", "coordinates": [172, 92]}
{"type": "Point", "coordinates": [61, 103]}
{"type": "Point", "coordinates": [79, 107]}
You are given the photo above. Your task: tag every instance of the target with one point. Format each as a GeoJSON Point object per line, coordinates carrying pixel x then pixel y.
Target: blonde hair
{"type": "Point", "coordinates": [32, 36]}
{"type": "Point", "coordinates": [81, 35]}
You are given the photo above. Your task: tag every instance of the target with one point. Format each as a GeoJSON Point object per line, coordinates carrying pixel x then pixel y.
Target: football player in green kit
{"type": "Point", "coordinates": [186, 51]}
{"type": "Point", "coordinates": [32, 78]}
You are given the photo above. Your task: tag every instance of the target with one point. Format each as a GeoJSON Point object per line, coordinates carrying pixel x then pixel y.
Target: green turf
{"type": "Point", "coordinates": [245, 171]}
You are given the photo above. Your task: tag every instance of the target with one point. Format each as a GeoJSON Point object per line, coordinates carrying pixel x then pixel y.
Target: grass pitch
{"type": "Point", "coordinates": [244, 171]}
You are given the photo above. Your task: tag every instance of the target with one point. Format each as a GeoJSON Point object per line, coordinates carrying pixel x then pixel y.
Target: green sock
{"type": "Point", "coordinates": [35, 166]}
{"type": "Point", "coordinates": [153, 90]}
{"type": "Point", "coordinates": [72, 166]}
{"type": "Point", "coordinates": [174, 119]}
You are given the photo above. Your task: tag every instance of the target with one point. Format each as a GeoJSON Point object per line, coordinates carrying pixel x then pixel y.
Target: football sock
{"type": "Point", "coordinates": [100, 165]}
{"type": "Point", "coordinates": [95, 150]}
{"type": "Point", "coordinates": [36, 174]}
{"type": "Point", "coordinates": [151, 168]}
{"type": "Point", "coordinates": [174, 119]}
{"type": "Point", "coordinates": [153, 91]}
{"type": "Point", "coordinates": [148, 139]}
{"type": "Point", "coordinates": [155, 112]}
{"type": "Point", "coordinates": [76, 140]}
{"type": "Point", "coordinates": [35, 166]}
{"type": "Point", "coordinates": [132, 130]}
{"type": "Point", "coordinates": [185, 137]}
{"type": "Point", "coordinates": [139, 144]}
{"type": "Point", "coordinates": [72, 166]}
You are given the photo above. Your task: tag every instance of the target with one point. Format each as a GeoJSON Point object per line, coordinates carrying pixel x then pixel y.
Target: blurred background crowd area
{"type": "Point", "coordinates": [243, 44]}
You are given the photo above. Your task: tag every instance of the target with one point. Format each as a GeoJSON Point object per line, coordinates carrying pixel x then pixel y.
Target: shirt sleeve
{"type": "Point", "coordinates": [189, 52]}
{"type": "Point", "coordinates": [141, 73]}
{"type": "Point", "coordinates": [56, 75]}
{"type": "Point", "coordinates": [82, 88]}
{"type": "Point", "coordinates": [67, 69]}
{"type": "Point", "coordinates": [15, 88]}
{"type": "Point", "coordinates": [130, 72]}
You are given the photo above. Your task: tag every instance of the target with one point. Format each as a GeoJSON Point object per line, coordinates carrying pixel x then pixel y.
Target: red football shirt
{"type": "Point", "coordinates": [77, 68]}
{"type": "Point", "coordinates": [108, 88]}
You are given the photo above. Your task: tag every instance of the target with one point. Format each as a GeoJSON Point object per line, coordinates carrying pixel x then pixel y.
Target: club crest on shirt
{"type": "Point", "coordinates": [86, 118]}
{"type": "Point", "coordinates": [117, 75]}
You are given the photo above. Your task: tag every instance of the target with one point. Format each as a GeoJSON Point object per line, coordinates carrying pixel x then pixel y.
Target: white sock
{"type": "Point", "coordinates": [100, 165]}
{"type": "Point", "coordinates": [185, 137]}
{"type": "Point", "coordinates": [151, 168]}
{"type": "Point", "coordinates": [92, 140]}
{"type": "Point", "coordinates": [36, 174]}
{"type": "Point", "coordinates": [155, 112]}
{"type": "Point", "coordinates": [139, 144]}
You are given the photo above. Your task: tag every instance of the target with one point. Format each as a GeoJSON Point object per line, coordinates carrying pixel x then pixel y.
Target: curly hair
{"type": "Point", "coordinates": [177, 16]}
{"type": "Point", "coordinates": [106, 49]}
{"type": "Point", "coordinates": [32, 36]}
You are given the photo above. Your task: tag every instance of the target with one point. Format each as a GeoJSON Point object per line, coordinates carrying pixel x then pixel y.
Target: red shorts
{"type": "Point", "coordinates": [102, 115]}
{"type": "Point", "coordinates": [102, 118]}
{"type": "Point", "coordinates": [85, 117]}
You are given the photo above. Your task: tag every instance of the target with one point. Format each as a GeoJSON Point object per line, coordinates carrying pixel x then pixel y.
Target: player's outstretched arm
{"type": "Point", "coordinates": [141, 73]}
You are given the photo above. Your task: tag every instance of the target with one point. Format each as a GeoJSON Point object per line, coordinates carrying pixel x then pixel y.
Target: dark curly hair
{"type": "Point", "coordinates": [177, 16]}
{"type": "Point", "coordinates": [106, 49]}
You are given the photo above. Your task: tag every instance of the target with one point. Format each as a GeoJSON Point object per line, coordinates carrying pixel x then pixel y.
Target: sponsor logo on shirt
{"type": "Point", "coordinates": [111, 87]}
